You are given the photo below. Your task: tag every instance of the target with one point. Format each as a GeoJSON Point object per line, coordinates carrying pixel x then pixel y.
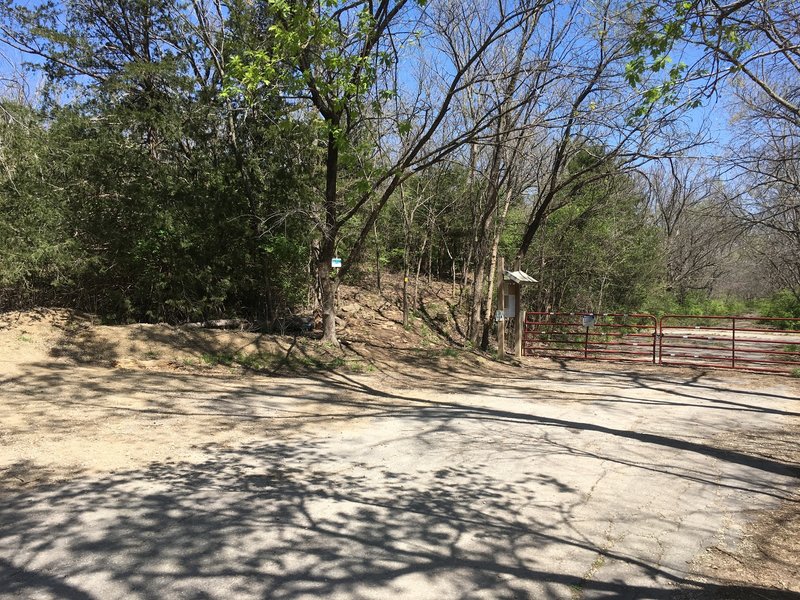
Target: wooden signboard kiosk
{"type": "Point", "coordinates": [509, 306]}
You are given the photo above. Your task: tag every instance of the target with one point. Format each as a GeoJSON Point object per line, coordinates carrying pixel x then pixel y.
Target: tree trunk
{"type": "Point", "coordinates": [328, 283]}
{"type": "Point", "coordinates": [405, 291]}
{"type": "Point", "coordinates": [327, 291]}
{"type": "Point", "coordinates": [378, 259]}
{"type": "Point", "coordinates": [420, 258]}
{"type": "Point", "coordinates": [477, 300]}
{"type": "Point", "coordinates": [431, 234]}
{"type": "Point", "coordinates": [465, 269]}
{"type": "Point", "coordinates": [499, 226]}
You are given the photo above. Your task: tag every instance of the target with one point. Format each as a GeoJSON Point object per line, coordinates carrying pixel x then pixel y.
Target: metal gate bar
{"type": "Point", "coordinates": [606, 336]}
{"type": "Point", "coordinates": [688, 340]}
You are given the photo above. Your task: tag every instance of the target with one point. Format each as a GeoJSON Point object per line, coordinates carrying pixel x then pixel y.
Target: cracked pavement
{"type": "Point", "coordinates": [572, 482]}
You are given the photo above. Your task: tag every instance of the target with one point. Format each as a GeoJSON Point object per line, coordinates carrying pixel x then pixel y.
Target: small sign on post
{"type": "Point", "coordinates": [336, 263]}
{"type": "Point", "coordinates": [589, 320]}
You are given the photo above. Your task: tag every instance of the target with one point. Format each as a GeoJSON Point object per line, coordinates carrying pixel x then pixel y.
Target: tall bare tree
{"type": "Point", "coordinates": [689, 204]}
{"type": "Point", "coordinates": [598, 114]}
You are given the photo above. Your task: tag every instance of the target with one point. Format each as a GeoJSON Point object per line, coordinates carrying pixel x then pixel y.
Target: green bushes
{"type": "Point", "coordinates": [93, 221]}
{"type": "Point", "coordinates": [782, 305]}
{"type": "Point", "coordinates": [698, 303]}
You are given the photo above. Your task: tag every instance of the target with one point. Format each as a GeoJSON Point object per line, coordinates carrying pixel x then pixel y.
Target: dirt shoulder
{"type": "Point", "coordinates": [767, 553]}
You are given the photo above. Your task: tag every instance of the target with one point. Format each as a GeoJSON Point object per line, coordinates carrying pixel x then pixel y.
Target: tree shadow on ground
{"type": "Point", "coordinates": [347, 398]}
{"type": "Point", "coordinates": [283, 521]}
{"type": "Point", "coordinates": [291, 519]}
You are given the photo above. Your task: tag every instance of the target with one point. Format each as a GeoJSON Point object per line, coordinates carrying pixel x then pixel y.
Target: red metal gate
{"type": "Point", "coordinates": [770, 345]}
{"type": "Point", "coordinates": [607, 336]}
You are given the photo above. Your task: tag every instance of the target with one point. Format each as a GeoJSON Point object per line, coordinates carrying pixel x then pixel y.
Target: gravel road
{"type": "Point", "coordinates": [549, 482]}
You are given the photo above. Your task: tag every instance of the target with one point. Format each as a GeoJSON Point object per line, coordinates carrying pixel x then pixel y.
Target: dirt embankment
{"type": "Point", "coordinates": [370, 331]}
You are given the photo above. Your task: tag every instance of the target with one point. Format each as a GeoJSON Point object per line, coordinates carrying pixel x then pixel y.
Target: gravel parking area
{"type": "Point", "coordinates": [541, 481]}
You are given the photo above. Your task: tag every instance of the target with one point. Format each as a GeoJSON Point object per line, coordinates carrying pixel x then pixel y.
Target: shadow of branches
{"type": "Point", "coordinates": [282, 520]}
{"type": "Point", "coordinates": [341, 486]}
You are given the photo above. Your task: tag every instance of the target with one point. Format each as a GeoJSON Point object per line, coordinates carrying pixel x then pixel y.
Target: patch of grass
{"type": "Point", "coordinates": [313, 362]}
{"type": "Point", "coordinates": [796, 373]}
{"type": "Point", "coordinates": [218, 358]}
{"type": "Point", "coordinates": [336, 363]}
{"type": "Point", "coordinates": [451, 352]}
{"type": "Point", "coordinates": [256, 361]}
{"type": "Point", "coordinates": [427, 334]}
{"type": "Point", "coordinates": [152, 355]}
{"type": "Point", "coordinates": [359, 367]}
{"type": "Point", "coordinates": [356, 366]}
{"type": "Point", "coordinates": [25, 338]}
{"type": "Point", "coordinates": [576, 590]}
{"type": "Point", "coordinates": [303, 362]}
{"type": "Point", "coordinates": [268, 361]}
{"type": "Point", "coordinates": [439, 352]}
{"type": "Point", "coordinates": [330, 364]}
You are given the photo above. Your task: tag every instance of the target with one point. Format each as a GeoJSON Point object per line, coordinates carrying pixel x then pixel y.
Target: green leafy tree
{"type": "Point", "coordinates": [748, 52]}
{"type": "Point", "coordinates": [340, 65]}
{"type": "Point", "coordinates": [39, 259]}
{"type": "Point", "coordinates": [601, 250]}
{"type": "Point", "coordinates": [332, 54]}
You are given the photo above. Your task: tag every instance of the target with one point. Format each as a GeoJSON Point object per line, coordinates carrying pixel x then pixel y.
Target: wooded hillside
{"type": "Point", "coordinates": [170, 161]}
